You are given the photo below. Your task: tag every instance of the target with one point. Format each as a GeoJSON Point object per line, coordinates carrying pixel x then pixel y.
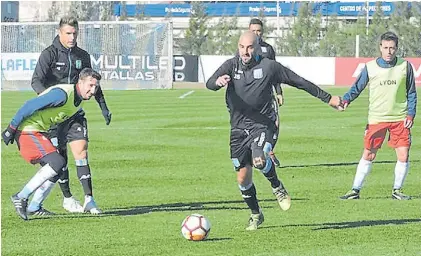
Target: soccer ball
{"type": "Point", "coordinates": [195, 227]}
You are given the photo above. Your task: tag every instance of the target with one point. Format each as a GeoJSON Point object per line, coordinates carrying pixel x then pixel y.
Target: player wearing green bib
{"type": "Point", "coordinates": [392, 107]}
{"type": "Point", "coordinates": [31, 123]}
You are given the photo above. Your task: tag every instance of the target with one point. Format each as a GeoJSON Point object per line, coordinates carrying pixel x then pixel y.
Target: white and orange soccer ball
{"type": "Point", "coordinates": [195, 227]}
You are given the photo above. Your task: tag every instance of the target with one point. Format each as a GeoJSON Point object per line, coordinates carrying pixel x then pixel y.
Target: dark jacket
{"type": "Point", "coordinates": [59, 65]}
{"type": "Point", "coordinates": [249, 92]}
{"type": "Point", "coordinates": [267, 50]}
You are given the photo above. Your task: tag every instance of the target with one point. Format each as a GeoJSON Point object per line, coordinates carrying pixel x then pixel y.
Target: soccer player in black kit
{"type": "Point", "coordinates": [248, 80]}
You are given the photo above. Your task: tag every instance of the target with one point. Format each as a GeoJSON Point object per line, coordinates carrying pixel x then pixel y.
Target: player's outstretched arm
{"type": "Point", "coordinates": [336, 103]}
{"type": "Point", "coordinates": [54, 98]}
{"type": "Point", "coordinates": [221, 77]}
{"type": "Point", "coordinates": [356, 89]}
{"type": "Point", "coordinates": [287, 76]}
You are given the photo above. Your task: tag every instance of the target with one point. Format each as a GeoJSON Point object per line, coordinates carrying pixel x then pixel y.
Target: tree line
{"type": "Point", "coordinates": [305, 37]}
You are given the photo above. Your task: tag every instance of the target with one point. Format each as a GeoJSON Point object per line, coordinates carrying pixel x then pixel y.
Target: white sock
{"type": "Point", "coordinates": [40, 195]}
{"type": "Point", "coordinates": [45, 173]}
{"type": "Point", "coordinates": [363, 169]}
{"type": "Point", "coordinates": [401, 170]}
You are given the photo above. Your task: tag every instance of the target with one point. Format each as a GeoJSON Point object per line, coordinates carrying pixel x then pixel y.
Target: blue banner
{"type": "Point", "coordinates": [248, 9]}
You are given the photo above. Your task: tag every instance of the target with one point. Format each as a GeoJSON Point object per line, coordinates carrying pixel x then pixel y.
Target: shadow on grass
{"type": "Point", "coordinates": [179, 207]}
{"type": "Point", "coordinates": [217, 239]}
{"type": "Point", "coordinates": [385, 197]}
{"type": "Point", "coordinates": [340, 164]}
{"type": "Point", "coordinates": [173, 207]}
{"type": "Point", "coordinates": [351, 224]}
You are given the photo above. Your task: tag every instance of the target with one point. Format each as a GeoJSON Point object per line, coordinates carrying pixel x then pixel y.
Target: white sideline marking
{"type": "Point", "coordinates": [186, 94]}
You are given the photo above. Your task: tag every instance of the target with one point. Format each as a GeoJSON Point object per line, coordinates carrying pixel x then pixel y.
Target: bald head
{"type": "Point", "coordinates": [247, 37]}
{"type": "Point", "coordinates": [247, 44]}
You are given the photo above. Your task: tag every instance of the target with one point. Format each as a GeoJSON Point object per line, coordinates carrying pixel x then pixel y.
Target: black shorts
{"type": "Point", "coordinates": [75, 128]}
{"type": "Point", "coordinates": [242, 141]}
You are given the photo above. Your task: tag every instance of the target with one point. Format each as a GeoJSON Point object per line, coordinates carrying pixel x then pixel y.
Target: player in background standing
{"type": "Point", "coordinates": [61, 63]}
{"type": "Point", "coordinates": [392, 107]}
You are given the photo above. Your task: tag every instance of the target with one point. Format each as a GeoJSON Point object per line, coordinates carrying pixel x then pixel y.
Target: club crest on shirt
{"type": "Point", "coordinates": [258, 73]}
{"type": "Point", "coordinates": [78, 64]}
{"type": "Point", "coordinates": [264, 49]}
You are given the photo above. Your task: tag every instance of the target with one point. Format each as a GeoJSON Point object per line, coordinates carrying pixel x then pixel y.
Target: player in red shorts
{"type": "Point", "coordinates": [31, 123]}
{"type": "Point", "coordinates": [392, 107]}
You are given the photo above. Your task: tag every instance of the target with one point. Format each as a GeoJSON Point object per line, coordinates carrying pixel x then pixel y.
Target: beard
{"type": "Point", "coordinates": [248, 60]}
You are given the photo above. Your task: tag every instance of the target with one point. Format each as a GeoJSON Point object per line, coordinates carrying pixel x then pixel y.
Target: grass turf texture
{"type": "Point", "coordinates": [163, 158]}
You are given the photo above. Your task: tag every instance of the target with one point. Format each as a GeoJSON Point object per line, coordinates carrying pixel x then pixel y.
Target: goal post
{"type": "Point", "coordinates": [128, 54]}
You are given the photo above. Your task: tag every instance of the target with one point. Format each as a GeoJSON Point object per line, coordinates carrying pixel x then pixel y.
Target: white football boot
{"type": "Point", "coordinates": [255, 220]}
{"type": "Point", "coordinates": [72, 205]}
{"type": "Point", "coordinates": [284, 200]}
{"type": "Point", "coordinates": [90, 206]}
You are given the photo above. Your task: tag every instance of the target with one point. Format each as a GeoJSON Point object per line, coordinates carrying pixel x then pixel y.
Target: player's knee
{"type": "Point", "coordinates": [241, 180]}
{"type": "Point", "coordinates": [55, 160]}
{"type": "Point", "coordinates": [370, 156]}
{"type": "Point", "coordinates": [403, 157]}
{"type": "Point", "coordinates": [259, 162]}
{"type": "Point", "coordinates": [244, 176]}
{"type": "Point", "coordinates": [80, 153]}
{"type": "Point", "coordinates": [79, 149]}
{"type": "Point", "coordinates": [260, 157]}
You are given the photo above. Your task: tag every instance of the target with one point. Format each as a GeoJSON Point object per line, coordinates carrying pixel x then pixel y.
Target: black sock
{"type": "Point", "coordinates": [250, 198]}
{"type": "Point", "coordinates": [273, 177]}
{"type": "Point", "coordinates": [84, 175]}
{"type": "Point", "coordinates": [63, 177]}
{"type": "Point", "coordinates": [63, 181]}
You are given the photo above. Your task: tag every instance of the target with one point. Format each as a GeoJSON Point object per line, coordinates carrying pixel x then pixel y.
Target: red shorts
{"type": "Point", "coordinates": [399, 136]}
{"type": "Point", "coordinates": [34, 145]}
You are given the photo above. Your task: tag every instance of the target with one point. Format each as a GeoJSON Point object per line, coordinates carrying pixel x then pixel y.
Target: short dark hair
{"type": "Point", "coordinates": [86, 72]}
{"type": "Point", "coordinates": [389, 36]}
{"type": "Point", "coordinates": [69, 20]}
{"type": "Point", "coordinates": [256, 21]}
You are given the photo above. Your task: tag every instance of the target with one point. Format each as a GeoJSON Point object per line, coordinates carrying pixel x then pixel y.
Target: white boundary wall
{"type": "Point", "coordinates": [319, 70]}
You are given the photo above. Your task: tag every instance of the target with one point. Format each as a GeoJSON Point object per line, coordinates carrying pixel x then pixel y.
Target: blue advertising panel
{"type": "Point", "coordinates": [247, 9]}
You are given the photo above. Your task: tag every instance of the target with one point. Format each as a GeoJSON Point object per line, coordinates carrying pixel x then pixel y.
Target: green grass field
{"type": "Point", "coordinates": [163, 158]}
